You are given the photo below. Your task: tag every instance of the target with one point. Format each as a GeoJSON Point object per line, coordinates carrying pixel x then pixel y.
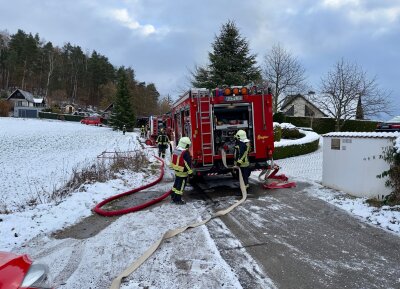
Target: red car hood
{"type": "Point", "coordinates": [13, 269]}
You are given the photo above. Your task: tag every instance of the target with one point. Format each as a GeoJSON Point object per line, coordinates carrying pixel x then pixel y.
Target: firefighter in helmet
{"type": "Point", "coordinates": [241, 155]}
{"type": "Point", "coordinates": [142, 132]}
{"type": "Point", "coordinates": [146, 130]}
{"type": "Point", "coordinates": [162, 142]}
{"type": "Point", "coordinates": [181, 163]}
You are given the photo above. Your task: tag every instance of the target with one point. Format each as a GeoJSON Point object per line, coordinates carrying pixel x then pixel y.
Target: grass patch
{"type": "Point", "coordinates": [102, 170]}
{"type": "Point", "coordinates": [374, 203]}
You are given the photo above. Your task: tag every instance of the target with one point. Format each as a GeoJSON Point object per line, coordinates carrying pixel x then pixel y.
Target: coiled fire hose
{"type": "Point", "coordinates": [171, 233]}
{"type": "Point", "coordinates": [102, 212]}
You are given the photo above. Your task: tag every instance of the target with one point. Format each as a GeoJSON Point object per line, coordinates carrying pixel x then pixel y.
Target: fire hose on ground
{"type": "Point", "coordinates": [171, 233]}
{"type": "Point", "coordinates": [98, 209]}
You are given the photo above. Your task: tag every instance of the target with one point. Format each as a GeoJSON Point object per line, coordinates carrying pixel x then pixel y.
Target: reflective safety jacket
{"type": "Point", "coordinates": [181, 162]}
{"type": "Point", "coordinates": [241, 154]}
{"type": "Point", "coordinates": [162, 139]}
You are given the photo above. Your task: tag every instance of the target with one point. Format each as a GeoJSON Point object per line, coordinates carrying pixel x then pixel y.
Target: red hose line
{"type": "Point", "coordinates": [102, 212]}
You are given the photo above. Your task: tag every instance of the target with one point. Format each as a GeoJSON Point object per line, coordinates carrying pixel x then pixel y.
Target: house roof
{"type": "Point", "coordinates": [26, 95]}
{"type": "Point", "coordinates": [363, 134]}
{"type": "Point", "coordinates": [109, 108]}
{"type": "Point", "coordinates": [291, 98]}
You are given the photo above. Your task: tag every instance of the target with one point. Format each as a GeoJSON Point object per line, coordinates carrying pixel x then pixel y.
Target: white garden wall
{"type": "Point", "coordinates": [351, 162]}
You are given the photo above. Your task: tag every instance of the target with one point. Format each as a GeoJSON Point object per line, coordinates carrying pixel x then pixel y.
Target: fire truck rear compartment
{"type": "Point", "coordinates": [228, 119]}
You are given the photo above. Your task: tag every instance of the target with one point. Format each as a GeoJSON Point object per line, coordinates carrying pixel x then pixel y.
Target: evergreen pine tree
{"type": "Point", "coordinates": [230, 62]}
{"type": "Point", "coordinates": [122, 113]}
{"type": "Point", "coordinates": [359, 110]}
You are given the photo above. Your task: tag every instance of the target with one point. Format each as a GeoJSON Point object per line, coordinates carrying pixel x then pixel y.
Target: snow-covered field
{"type": "Point", "coordinates": [37, 155]}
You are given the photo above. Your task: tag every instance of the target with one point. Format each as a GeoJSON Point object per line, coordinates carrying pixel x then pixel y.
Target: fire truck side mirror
{"type": "Point", "coordinates": [269, 90]}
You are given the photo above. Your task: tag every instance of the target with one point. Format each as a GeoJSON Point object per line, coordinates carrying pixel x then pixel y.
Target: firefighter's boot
{"type": "Point", "coordinates": [173, 196]}
{"type": "Point", "coordinates": [178, 200]}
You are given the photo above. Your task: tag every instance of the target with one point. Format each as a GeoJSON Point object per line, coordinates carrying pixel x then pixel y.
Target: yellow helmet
{"type": "Point", "coordinates": [241, 135]}
{"type": "Point", "coordinates": [184, 142]}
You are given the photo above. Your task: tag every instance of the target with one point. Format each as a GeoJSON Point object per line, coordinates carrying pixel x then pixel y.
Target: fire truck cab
{"type": "Point", "coordinates": [212, 118]}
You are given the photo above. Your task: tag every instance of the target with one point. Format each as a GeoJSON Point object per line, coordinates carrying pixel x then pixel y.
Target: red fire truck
{"type": "Point", "coordinates": [212, 118]}
{"type": "Point", "coordinates": [156, 123]}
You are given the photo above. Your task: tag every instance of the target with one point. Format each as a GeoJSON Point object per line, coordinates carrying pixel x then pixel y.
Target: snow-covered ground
{"type": "Point", "coordinates": [38, 155]}
{"type": "Point", "coordinates": [94, 262]}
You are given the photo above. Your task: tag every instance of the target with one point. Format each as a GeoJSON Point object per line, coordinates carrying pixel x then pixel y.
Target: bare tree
{"type": "Point", "coordinates": [51, 58]}
{"type": "Point", "coordinates": [347, 85]}
{"type": "Point", "coordinates": [284, 73]}
{"type": "Point", "coordinates": [165, 104]}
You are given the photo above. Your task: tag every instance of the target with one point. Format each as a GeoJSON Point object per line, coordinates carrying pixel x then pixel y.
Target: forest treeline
{"type": "Point", "coordinates": [67, 74]}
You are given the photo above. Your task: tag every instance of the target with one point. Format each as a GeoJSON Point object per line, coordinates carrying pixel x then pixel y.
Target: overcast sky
{"type": "Point", "coordinates": [163, 39]}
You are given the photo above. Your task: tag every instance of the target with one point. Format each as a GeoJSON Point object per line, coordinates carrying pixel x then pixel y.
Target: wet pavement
{"type": "Point", "coordinates": [297, 240]}
{"type": "Point", "coordinates": [303, 242]}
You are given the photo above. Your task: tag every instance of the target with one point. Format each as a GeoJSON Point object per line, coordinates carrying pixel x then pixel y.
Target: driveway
{"type": "Point", "coordinates": [300, 241]}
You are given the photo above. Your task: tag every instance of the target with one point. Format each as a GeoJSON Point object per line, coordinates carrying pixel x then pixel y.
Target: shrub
{"type": "Point", "coordinates": [279, 117]}
{"type": "Point", "coordinates": [56, 109]}
{"type": "Point", "coordinates": [392, 157]}
{"type": "Point", "coordinates": [277, 133]}
{"type": "Point", "coordinates": [291, 133]}
{"type": "Point", "coordinates": [295, 150]}
{"type": "Point", "coordinates": [3, 94]}
{"type": "Point", "coordinates": [4, 107]}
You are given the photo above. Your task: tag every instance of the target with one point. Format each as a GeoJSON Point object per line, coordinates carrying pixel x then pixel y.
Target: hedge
{"type": "Point", "coordinates": [295, 150]}
{"type": "Point", "coordinates": [67, 117]}
{"type": "Point", "coordinates": [325, 125]}
{"type": "Point", "coordinates": [48, 115]}
{"type": "Point", "coordinates": [359, 125]}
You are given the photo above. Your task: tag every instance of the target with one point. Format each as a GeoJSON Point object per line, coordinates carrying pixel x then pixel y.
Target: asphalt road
{"type": "Point", "coordinates": [300, 241]}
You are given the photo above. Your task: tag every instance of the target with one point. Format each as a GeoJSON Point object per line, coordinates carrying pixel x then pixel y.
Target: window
{"type": "Point", "coordinates": [308, 111]}
{"type": "Point", "coordinates": [335, 144]}
{"type": "Point", "coordinates": [290, 111]}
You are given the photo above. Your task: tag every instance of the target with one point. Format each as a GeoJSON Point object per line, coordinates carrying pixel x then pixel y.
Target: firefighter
{"type": "Point", "coordinates": [181, 163]}
{"type": "Point", "coordinates": [163, 143]}
{"type": "Point", "coordinates": [146, 130]}
{"type": "Point", "coordinates": [241, 155]}
{"type": "Point", "coordinates": [142, 132]}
